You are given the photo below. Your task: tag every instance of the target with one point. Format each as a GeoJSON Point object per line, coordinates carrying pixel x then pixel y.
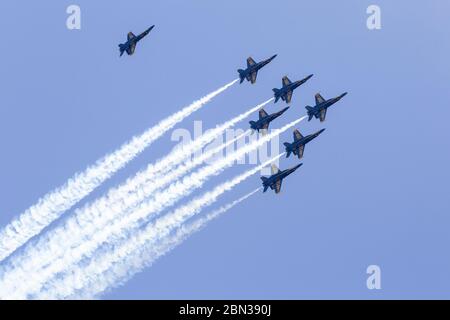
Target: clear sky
{"type": "Point", "coordinates": [374, 186]}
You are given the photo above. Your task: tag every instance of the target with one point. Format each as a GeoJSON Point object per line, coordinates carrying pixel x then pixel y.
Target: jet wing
{"type": "Point", "coordinates": [297, 135]}
{"type": "Point", "coordinates": [262, 113]}
{"type": "Point", "coordinates": [265, 126]}
{"type": "Point", "coordinates": [300, 151]}
{"type": "Point", "coordinates": [278, 186]}
{"type": "Point", "coordinates": [288, 96]}
{"type": "Point", "coordinates": [250, 62]}
{"type": "Point", "coordinates": [253, 76]}
{"type": "Point", "coordinates": [323, 113]}
{"type": "Point", "coordinates": [131, 48]}
{"type": "Point", "coordinates": [274, 169]}
{"type": "Point", "coordinates": [286, 81]}
{"type": "Point", "coordinates": [319, 99]}
{"type": "Point", "coordinates": [130, 35]}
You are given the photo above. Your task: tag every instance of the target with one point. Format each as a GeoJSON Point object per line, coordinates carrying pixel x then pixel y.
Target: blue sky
{"type": "Point", "coordinates": [373, 188]}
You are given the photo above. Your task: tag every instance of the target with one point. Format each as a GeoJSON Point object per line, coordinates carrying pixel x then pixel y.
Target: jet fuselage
{"type": "Point", "coordinates": [286, 91]}
{"type": "Point", "coordinates": [318, 108]}
{"type": "Point", "coordinates": [131, 42]}
{"type": "Point", "coordinates": [256, 67]}
{"type": "Point", "coordinates": [260, 123]}
{"type": "Point", "coordinates": [303, 141]}
{"type": "Point", "coordinates": [272, 180]}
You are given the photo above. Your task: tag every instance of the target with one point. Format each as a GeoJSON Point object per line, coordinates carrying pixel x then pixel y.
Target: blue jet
{"type": "Point", "coordinates": [285, 92]}
{"type": "Point", "coordinates": [265, 119]}
{"type": "Point", "coordinates": [320, 110]}
{"type": "Point", "coordinates": [252, 69]}
{"type": "Point", "coordinates": [298, 146]}
{"type": "Point", "coordinates": [132, 40]}
{"type": "Point", "coordinates": [274, 181]}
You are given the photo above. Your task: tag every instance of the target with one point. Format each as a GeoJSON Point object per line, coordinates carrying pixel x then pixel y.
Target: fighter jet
{"type": "Point", "coordinates": [274, 181]}
{"type": "Point", "coordinates": [252, 69]}
{"type": "Point", "coordinates": [132, 40]}
{"type": "Point", "coordinates": [298, 146]}
{"type": "Point", "coordinates": [320, 110]}
{"type": "Point", "coordinates": [285, 92]}
{"type": "Point", "coordinates": [265, 119]}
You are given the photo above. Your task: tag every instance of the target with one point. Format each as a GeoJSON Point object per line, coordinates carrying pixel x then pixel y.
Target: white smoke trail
{"type": "Point", "coordinates": [125, 227]}
{"type": "Point", "coordinates": [123, 272]}
{"type": "Point", "coordinates": [54, 246]}
{"type": "Point", "coordinates": [16, 281]}
{"type": "Point", "coordinates": [86, 221]}
{"type": "Point", "coordinates": [119, 263]}
{"type": "Point", "coordinates": [52, 205]}
{"type": "Point", "coordinates": [179, 155]}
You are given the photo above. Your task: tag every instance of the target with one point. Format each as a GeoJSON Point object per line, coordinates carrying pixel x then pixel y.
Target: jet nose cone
{"type": "Point", "coordinates": [273, 57]}
{"type": "Point", "coordinates": [309, 77]}
{"type": "Point", "coordinates": [320, 131]}
{"type": "Point", "coordinates": [298, 166]}
{"type": "Point", "coordinates": [343, 95]}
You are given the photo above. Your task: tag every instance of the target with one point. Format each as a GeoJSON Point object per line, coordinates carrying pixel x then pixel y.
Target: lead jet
{"type": "Point", "coordinates": [285, 92]}
{"type": "Point", "coordinates": [252, 69]}
{"type": "Point", "coordinates": [274, 181]}
{"type": "Point", "coordinates": [265, 119]}
{"type": "Point", "coordinates": [132, 40]}
{"type": "Point", "coordinates": [320, 110]}
{"type": "Point", "coordinates": [298, 146]}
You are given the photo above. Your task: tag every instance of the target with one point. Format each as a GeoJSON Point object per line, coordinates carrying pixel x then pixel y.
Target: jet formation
{"type": "Point", "coordinates": [130, 45]}
{"type": "Point", "coordinates": [297, 147]}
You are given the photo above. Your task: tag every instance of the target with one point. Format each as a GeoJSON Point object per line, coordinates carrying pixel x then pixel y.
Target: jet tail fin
{"type": "Point", "coordinates": [264, 180]}
{"type": "Point", "coordinates": [122, 49]}
{"type": "Point", "coordinates": [241, 75]}
{"type": "Point", "coordinates": [288, 149]}
{"type": "Point", "coordinates": [276, 93]}
{"type": "Point", "coordinates": [310, 112]}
